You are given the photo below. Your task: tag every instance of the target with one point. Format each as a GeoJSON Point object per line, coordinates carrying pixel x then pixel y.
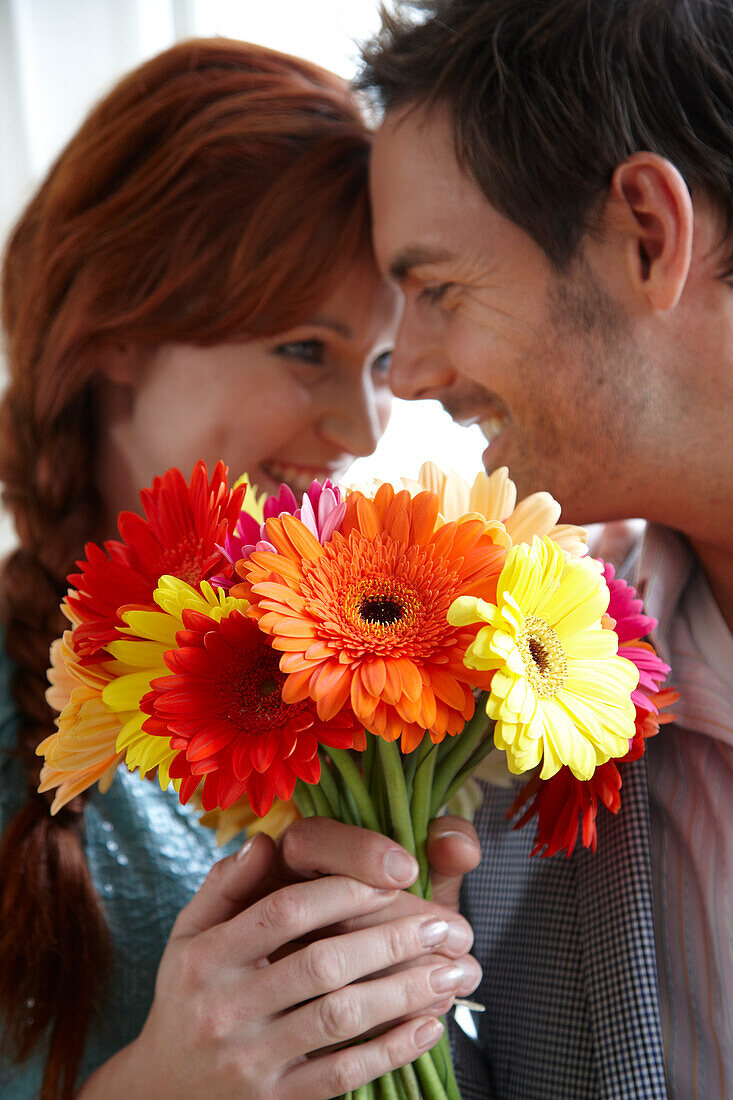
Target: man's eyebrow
{"type": "Point", "coordinates": [336, 326]}
{"type": "Point", "coordinates": [414, 256]}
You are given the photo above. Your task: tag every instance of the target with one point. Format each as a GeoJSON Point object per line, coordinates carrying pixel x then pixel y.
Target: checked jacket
{"type": "Point", "coordinates": [567, 950]}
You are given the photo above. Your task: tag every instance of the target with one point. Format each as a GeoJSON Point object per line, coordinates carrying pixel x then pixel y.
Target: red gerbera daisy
{"type": "Point", "coordinates": [223, 709]}
{"type": "Point", "coordinates": [179, 535]}
{"type": "Point", "coordinates": [566, 807]}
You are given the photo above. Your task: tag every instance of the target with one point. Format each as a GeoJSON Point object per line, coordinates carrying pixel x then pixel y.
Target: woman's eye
{"type": "Point", "coordinates": [308, 351]}
{"type": "Point", "coordinates": [433, 294]}
{"type": "Point", "coordinates": [382, 363]}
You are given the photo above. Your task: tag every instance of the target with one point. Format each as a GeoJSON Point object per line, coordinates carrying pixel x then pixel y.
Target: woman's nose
{"type": "Point", "coordinates": [353, 423]}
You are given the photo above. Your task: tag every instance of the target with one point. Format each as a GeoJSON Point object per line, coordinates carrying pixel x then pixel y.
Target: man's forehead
{"type": "Point", "coordinates": [410, 140]}
{"type": "Point", "coordinates": [426, 209]}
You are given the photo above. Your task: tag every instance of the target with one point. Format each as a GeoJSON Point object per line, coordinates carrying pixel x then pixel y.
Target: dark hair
{"type": "Point", "coordinates": [218, 191]}
{"type": "Point", "coordinates": [549, 96]}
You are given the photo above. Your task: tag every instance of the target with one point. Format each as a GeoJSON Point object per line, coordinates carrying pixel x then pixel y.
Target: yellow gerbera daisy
{"type": "Point", "coordinates": [495, 498]}
{"type": "Point", "coordinates": [560, 694]}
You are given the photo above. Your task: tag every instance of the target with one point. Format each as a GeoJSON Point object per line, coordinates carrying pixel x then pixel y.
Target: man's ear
{"type": "Point", "coordinates": [121, 362]}
{"type": "Point", "coordinates": [658, 223]}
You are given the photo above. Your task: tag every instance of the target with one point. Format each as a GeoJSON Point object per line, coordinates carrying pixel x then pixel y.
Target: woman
{"type": "Point", "coordinates": [194, 279]}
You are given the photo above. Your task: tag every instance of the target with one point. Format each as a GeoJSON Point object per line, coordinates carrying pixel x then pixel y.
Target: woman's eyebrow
{"type": "Point", "coordinates": [336, 326]}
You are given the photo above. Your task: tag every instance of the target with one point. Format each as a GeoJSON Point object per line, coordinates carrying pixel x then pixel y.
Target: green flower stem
{"type": "Point", "coordinates": [329, 790]}
{"type": "Point", "coordinates": [367, 760]}
{"type": "Point", "coordinates": [421, 802]}
{"type": "Point", "coordinates": [320, 802]}
{"type": "Point", "coordinates": [445, 747]}
{"type": "Point", "coordinates": [391, 761]}
{"type": "Point", "coordinates": [485, 748]}
{"type": "Point", "coordinates": [362, 1093]}
{"type": "Point", "coordinates": [345, 765]}
{"type": "Point", "coordinates": [388, 1087]}
{"type": "Point", "coordinates": [401, 1094]}
{"type": "Point", "coordinates": [409, 767]}
{"type": "Point", "coordinates": [303, 799]}
{"type": "Point", "coordinates": [348, 798]}
{"type": "Point", "coordinates": [432, 1086]}
{"type": "Point", "coordinates": [463, 748]}
{"type": "Point", "coordinates": [409, 1083]}
{"type": "Point", "coordinates": [443, 1061]}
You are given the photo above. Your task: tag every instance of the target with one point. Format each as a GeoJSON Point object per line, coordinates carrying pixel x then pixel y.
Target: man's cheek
{"type": "Point", "coordinates": [483, 322]}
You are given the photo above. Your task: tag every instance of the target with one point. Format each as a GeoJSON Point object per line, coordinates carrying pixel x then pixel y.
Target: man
{"type": "Point", "coordinates": [553, 192]}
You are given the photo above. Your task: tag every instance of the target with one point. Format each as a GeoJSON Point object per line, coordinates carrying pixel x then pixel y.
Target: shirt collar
{"type": "Point", "coordinates": [665, 564]}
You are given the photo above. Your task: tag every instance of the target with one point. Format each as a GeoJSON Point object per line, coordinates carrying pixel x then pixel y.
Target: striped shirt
{"type": "Point", "coordinates": [690, 766]}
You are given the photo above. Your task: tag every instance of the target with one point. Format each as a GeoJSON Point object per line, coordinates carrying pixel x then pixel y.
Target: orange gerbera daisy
{"type": "Point", "coordinates": [363, 618]}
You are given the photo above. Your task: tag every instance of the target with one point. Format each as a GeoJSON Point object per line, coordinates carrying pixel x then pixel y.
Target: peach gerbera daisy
{"type": "Point", "coordinates": [83, 750]}
{"type": "Point", "coordinates": [363, 618]}
{"type": "Point", "coordinates": [494, 496]}
{"type": "Point", "coordinates": [241, 818]}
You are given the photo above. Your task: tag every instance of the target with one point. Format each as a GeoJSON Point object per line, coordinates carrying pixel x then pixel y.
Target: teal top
{"type": "Point", "coordinates": [148, 855]}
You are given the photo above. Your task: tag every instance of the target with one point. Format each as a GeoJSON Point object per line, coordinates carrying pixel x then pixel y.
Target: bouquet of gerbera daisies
{"type": "Point", "coordinates": [357, 655]}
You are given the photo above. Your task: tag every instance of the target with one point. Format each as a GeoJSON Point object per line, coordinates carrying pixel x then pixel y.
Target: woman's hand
{"type": "Point", "coordinates": [318, 846]}
{"type": "Point", "coordinates": [228, 1022]}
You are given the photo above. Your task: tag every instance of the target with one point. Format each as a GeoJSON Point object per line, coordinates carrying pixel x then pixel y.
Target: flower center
{"type": "Point", "coordinates": [381, 609]}
{"type": "Point", "coordinates": [185, 561]}
{"type": "Point", "coordinates": [383, 606]}
{"type": "Point", "coordinates": [543, 656]}
{"type": "Point", "coordinates": [254, 696]}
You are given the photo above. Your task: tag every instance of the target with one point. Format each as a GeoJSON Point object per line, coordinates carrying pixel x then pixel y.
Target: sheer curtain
{"type": "Point", "coordinates": [58, 56]}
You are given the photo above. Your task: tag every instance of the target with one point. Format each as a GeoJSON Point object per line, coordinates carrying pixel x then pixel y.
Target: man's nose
{"type": "Point", "coordinates": [419, 367]}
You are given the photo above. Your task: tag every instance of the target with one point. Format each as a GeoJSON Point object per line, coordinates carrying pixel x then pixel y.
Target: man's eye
{"type": "Point", "coordinates": [308, 351]}
{"type": "Point", "coordinates": [382, 363]}
{"type": "Point", "coordinates": [433, 294]}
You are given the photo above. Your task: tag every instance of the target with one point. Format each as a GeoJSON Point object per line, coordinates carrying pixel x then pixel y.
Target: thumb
{"type": "Point", "coordinates": [229, 885]}
{"type": "Point", "coordinates": [453, 851]}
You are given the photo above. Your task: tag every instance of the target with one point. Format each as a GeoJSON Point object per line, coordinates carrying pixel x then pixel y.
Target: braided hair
{"type": "Point", "coordinates": [209, 148]}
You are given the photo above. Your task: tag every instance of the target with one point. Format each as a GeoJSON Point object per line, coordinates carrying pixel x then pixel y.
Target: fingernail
{"type": "Point", "coordinates": [428, 1034]}
{"type": "Point", "coordinates": [244, 849]}
{"type": "Point", "coordinates": [446, 978]}
{"type": "Point", "coordinates": [400, 866]}
{"type": "Point", "coordinates": [459, 938]}
{"type": "Point", "coordinates": [433, 932]}
{"type": "Point", "coordinates": [471, 984]}
{"type": "Point", "coordinates": [454, 834]}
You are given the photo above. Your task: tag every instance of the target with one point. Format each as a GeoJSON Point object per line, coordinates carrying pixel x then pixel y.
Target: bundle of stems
{"type": "Point", "coordinates": [398, 795]}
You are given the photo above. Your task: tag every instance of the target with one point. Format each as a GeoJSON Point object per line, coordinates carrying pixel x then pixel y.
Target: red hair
{"type": "Point", "coordinates": [218, 191]}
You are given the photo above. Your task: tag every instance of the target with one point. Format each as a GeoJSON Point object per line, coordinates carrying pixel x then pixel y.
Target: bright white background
{"type": "Point", "coordinates": [58, 56]}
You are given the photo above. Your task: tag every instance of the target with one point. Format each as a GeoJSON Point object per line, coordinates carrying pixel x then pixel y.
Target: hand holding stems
{"type": "Point", "coordinates": [318, 846]}
{"type": "Point", "coordinates": [449, 850]}
{"type": "Point", "coordinates": [228, 1022]}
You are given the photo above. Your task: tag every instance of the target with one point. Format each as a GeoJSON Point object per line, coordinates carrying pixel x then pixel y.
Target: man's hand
{"type": "Point", "coordinates": [453, 851]}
